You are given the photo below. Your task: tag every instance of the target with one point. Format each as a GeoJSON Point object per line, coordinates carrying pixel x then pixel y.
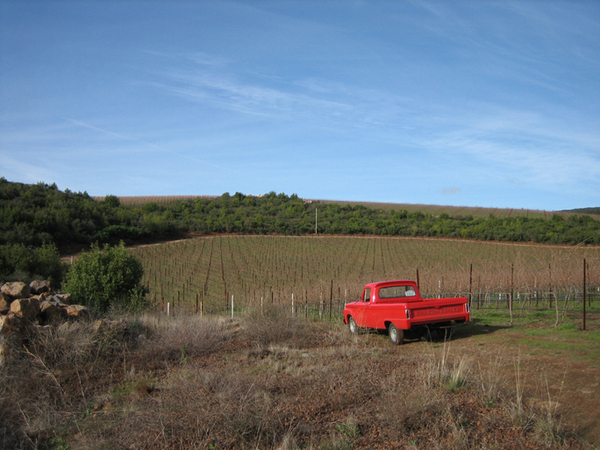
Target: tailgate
{"type": "Point", "coordinates": [429, 312]}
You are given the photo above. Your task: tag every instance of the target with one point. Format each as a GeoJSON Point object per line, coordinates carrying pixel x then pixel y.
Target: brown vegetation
{"type": "Point", "coordinates": [264, 381]}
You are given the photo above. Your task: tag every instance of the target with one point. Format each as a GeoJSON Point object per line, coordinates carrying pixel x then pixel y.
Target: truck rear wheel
{"type": "Point", "coordinates": [396, 335]}
{"type": "Point", "coordinates": [352, 325]}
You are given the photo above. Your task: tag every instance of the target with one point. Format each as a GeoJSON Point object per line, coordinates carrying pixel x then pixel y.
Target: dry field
{"type": "Point", "coordinates": [273, 381]}
{"type": "Point", "coordinates": [138, 201]}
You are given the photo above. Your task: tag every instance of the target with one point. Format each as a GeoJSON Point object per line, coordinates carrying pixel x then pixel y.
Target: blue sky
{"type": "Point", "coordinates": [474, 103]}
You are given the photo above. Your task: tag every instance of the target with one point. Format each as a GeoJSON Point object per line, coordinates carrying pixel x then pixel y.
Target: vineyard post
{"type": "Point", "coordinates": [478, 291]}
{"type": "Point", "coordinates": [292, 304]}
{"type": "Point", "coordinates": [231, 306]}
{"type": "Point", "coordinates": [584, 289]}
{"type": "Point", "coordinates": [418, 283]}
{"type": "Point", "coordinates": [168, 309]}
{"type": "Point", "coordinates": [202, 308]}
{"type": "Point", "coordinates": [557, 315]}
{"type": "Point", "coordinates": [330, 300]}
{"type": "Point", "coordinates": [320, 305]}
{"type": "Point", "coordinates": [305, 303]}
{"type": "Point", "coordinates": [510, 301]}
{"type": "Point", "coordinates": [550, 282]}
{"type": "Point", "coordinates": [197, 299]}
{"type": "Point", "coordinates": [470, 284]}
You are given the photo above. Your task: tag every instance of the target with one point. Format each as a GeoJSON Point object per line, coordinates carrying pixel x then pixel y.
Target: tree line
{"type": "Point", "coordinates": [33, 214]}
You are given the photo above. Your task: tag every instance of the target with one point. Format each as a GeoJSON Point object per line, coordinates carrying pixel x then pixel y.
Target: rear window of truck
{"type": "Point", "coordinates": [397, 291]}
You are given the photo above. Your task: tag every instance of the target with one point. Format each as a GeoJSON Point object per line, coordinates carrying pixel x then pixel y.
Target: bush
{"type": "Point", "coordinates": [17, 263]}
{"type": "Point", "coordinates": [107, 278]}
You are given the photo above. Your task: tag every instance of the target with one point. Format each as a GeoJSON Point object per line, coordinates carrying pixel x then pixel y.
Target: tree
{"type": "Point", "coordinates": [107, 278]}
{"type": "Point", "coordinates": [112, 201]}
{"type": "Point", "coordinates": [46, 264]}
{"type": "Point", "coordinates": [17, 263]}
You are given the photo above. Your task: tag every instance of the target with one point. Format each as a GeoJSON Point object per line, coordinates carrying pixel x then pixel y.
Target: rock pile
{"type": "Point", "coordinates": [24, 309]}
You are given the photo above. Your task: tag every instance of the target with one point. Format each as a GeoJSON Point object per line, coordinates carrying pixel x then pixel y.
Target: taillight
{"type": "Point", "coordinates": [407, 314]}
{"type": "Point", "coordinates": [467, 308]}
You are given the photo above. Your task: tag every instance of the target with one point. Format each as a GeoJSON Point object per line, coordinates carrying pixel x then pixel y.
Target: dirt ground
{"type": "Point", "coordinates": [274, 382]}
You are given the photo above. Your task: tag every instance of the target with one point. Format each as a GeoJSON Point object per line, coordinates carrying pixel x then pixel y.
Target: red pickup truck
{"type": "Point", "coordinates": [397, 306]}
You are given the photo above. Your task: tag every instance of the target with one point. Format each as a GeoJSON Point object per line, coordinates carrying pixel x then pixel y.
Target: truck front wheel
{"type": "Point", "coordinates": [396, 335]}
{"type": "Point", "coordinates": [352, 325]}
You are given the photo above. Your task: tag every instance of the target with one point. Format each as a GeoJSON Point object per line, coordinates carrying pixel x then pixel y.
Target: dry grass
{"type": "Point", "coordinates": [265, 381]}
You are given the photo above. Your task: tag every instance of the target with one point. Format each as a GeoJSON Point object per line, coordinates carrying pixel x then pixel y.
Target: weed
{"type": "Point", "coordinates": [349, 429]}
{"type": "Point", "coordinates": [184, 354]}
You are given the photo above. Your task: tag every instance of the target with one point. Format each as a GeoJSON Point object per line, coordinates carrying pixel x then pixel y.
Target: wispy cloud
{"type": "Point", "coordinates": [144, 145]}
{"type": "Point", "coordinates": [451, 190]}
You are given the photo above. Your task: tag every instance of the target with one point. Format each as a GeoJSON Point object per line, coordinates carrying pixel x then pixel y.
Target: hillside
{"type": "Point", "coordinates": [33, 214]}
{"type": "Point", "coordinates": [475, 211]}
{"type": "Point", "coordinates": [591, 211]}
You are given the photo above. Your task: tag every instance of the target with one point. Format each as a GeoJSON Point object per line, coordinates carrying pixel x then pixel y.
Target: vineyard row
{"type": "Point", "coordinates": [272, 269]}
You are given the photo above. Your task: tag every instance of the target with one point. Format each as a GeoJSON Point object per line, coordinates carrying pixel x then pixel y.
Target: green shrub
{"type": "Point", "coordinates": [18, 263]}
{"type": "Point", "coordinates": [107, 278]}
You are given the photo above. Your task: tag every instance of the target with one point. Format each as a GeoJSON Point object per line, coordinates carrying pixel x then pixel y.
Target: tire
{"type": "Point", "coordinates": [352, 325]}
{"type": "Point", "coordinates": [396, 335]}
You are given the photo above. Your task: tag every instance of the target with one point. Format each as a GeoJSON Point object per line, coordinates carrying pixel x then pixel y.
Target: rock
{"type": "Point", "coordinates": [5, 301]}
{"type": "Point", "coordinates": [51, 313]}
{"type": "Point", "coordinates": [63, 298]}
{"type": "Point", "coordinates": [78, 311]}
{"type": "Point", "coordinates": [28, 308]}
{"type": "Point", "coordinates": [16, 289]}
{"type": "Point", "coordinates": [15, 329]}
{"type": "Point", "coordinates": [39, 286]}
{"type": "Point", "coordinates": [45, 296]}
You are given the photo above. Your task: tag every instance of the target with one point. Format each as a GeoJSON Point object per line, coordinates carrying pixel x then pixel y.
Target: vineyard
{"type": "Point", "coordinates": [320, 274]}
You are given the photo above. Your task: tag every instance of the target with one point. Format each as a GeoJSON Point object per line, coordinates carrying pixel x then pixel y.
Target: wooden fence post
{"type": "Point", "coordinates": [330, 300]}
{"type": "Point", "coordinates": [470, 284]}
{"type": "Point", "coordinates": [510, 301]}
{"type": "Point", "coordinates": [584, 289]}
{"type": "Point", "coordinates": [550, 282]}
